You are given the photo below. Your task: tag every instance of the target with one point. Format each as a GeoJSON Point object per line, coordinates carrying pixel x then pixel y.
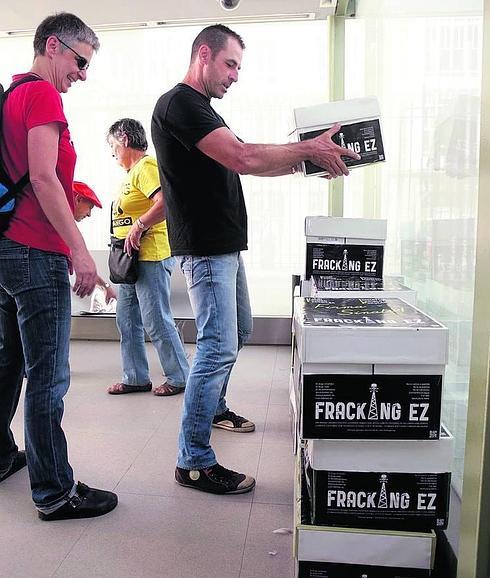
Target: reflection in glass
{"type": "Point", "coordinates": [426, 73]}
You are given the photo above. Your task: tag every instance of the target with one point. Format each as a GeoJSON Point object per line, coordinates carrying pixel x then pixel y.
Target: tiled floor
{"type": "Point", "coordinates": [128, 443]}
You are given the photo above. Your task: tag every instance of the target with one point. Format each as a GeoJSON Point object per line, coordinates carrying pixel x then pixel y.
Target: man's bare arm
{"type": "Point", "coordinates": [275, 160]}
{"type": "Point", "coordinates": [42, 151]}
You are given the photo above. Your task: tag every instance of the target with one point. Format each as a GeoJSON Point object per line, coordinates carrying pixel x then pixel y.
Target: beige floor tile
{"type": "Point", "coordinates": [159, 529]}
{"type": "Point", "coordinates": [266, 553]}
{"type": "Point", "coordinates": [151, 536]}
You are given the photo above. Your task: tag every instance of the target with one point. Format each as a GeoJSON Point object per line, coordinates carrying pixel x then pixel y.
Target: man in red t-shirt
{"type": "Point", "coordinates": [40, 245]}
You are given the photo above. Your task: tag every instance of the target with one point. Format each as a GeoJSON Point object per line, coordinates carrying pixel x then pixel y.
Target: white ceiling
{"type": "Point", "coordinates": [27, 14]}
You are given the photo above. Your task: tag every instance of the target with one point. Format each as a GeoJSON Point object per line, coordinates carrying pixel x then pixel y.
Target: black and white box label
{"type": "Point", "coordinates": [416, 502]}
{"type": "Point", "coordinates": [331, 570]}
{"type": "Point", "coordinates": [344, 260]}
{"type": "Point", "coordinates": [378, 406]}
{"type": "Point", "coordinates": [363, 137]}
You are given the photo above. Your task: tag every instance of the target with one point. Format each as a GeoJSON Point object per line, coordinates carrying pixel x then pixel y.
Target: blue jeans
{"type": "Point", "coordinates": [146, 305]}
{"type": "Point", "coordinates": [218, 293]}
{"type": "Point", "coordinates": [35, 318]}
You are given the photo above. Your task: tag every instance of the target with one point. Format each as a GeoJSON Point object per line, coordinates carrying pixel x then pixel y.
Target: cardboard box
{"type": "Point", "coordinates": [366, 331]}
{"type": "Point", "coordinates": [360, 130]}
{"type": "Point", "coordinates": [324, 286]}
{"type": "Point", "coordinates": [344, 247]}
{"type": "Point", "coordinates": [340, 552]}
{"type": "Point", "coordinates": [407, 494]}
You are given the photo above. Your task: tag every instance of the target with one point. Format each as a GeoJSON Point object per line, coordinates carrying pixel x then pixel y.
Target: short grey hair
{"type": "Point", "coordinates": [68, 28]}
{"type": "Point", "coordinates": [133, 129]}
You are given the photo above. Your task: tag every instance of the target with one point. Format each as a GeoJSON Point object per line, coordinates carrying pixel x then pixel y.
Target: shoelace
{"type": "Point", "coordinates": [234, 418]}
{"type": "Point", "coordinates": [220, 474]}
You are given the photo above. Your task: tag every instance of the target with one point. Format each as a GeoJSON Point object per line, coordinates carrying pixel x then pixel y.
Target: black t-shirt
{"type": "Point", "coordinates": [206, 212]}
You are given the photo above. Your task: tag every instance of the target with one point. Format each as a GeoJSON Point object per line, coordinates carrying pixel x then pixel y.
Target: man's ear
{"type": "Point", "coordinates": [52, 46]}
{"type": "Point", "coordinates": [205, 54]}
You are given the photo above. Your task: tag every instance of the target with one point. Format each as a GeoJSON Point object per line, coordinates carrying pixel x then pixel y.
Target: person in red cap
{"type": "Point", "coordinates": [85, 201]}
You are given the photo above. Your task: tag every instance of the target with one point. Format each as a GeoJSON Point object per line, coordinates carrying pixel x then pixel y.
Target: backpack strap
{"type": "Point", "coordinates": [23, 80]}
{"type": "Point", "coordinates": [4, 93]}
{"type": "Point", "coordinates": [14, 188]}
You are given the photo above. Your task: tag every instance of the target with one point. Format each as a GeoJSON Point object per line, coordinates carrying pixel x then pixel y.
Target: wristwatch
{"type": "Point", "coordinates": [140, 224]}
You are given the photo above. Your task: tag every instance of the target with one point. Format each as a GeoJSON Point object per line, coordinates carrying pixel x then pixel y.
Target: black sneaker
{"type": "Point", "coordinates": [19, 462]}
{"type": "Point", "coordinates": [215, 480]}
{"type": "Point", "coordinates": [233, 422]}
{"type": "Point", "coordinates": [85, 503]}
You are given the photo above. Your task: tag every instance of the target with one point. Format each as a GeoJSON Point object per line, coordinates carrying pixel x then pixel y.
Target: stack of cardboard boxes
{"type": "Point", "coordinates": [374, 461]}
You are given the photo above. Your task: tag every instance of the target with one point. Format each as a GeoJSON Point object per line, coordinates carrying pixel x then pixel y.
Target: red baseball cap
{"type": "Point", "coordinates": [87, 193]}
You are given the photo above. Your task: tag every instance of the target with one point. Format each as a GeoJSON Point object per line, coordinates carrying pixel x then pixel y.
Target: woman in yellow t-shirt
{"type": "Point", "coordinates": [138, 217]}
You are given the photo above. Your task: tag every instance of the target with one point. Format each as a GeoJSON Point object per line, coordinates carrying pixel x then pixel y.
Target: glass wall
{"type": "Point", "coordinates": [425, 68]}
{"type": "Point", "coordinates": [285, 65]}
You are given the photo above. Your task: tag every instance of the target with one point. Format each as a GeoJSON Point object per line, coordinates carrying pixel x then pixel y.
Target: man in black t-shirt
{"type": "Point", "coordinates": [200, 160]}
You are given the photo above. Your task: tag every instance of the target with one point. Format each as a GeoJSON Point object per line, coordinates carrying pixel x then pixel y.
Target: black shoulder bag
{"type": "Point", "coordinates": [123, 268]}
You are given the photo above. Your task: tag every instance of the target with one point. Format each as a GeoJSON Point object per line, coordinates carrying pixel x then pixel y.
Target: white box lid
{"type": "Point", "coordinates": [322, 226]}
{"type": "Point", "coordinates": [404, 456]}
{"type": "Point", "coordinates": [368, 547]}
{"type": "Point", "coordinates": [343, 111]}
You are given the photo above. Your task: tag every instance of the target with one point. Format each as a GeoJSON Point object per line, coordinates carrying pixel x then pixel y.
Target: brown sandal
{"type": "Point", "coordinates": [166, 389]}
{"type": "Point", "coordinates": [121, 388]}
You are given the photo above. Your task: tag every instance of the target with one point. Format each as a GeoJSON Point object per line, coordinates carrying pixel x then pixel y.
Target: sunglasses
{"type": "Point", "coordinates": [81, 61]}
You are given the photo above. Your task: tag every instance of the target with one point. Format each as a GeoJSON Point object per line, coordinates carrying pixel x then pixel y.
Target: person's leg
{"type": "Point", "coordinates": [44, 315]}
{"type": "Point", "coordinates": [153, 291]}
{"type": "Point", "coordinates": [38, 283]}
{"type": "Point", "coordinates": [11, 375]}
{"type": "Point", "coordinates": [135, 370]}
{"type": "Point", "coordinates": [244, 327]}
{"type": "Point", "coordinates": [37, 293]}
{"type": "Point", "coordinates": [211, 283]}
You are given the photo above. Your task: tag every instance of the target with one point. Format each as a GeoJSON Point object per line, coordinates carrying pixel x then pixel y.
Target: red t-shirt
{"type": "Point", "coordinates": [29, 105]}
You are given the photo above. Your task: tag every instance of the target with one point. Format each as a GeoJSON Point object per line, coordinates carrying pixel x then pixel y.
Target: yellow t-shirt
{"type": "Point", "coordinates": [141, 182]}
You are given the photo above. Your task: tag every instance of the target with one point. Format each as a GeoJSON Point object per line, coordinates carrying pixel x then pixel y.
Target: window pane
{"type": "Point", "coordinates": [285, 65]}
{"type": "Point", "coordinates": [427, 74]}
